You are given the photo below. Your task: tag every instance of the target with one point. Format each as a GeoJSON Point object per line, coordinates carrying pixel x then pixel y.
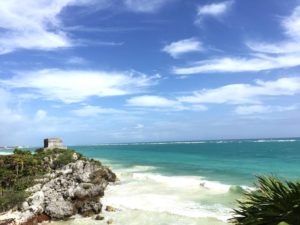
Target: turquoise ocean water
{"type": "Point", "coordinates": [187, 183]}
{"type": "Point", "coordinates": [190, 182]}
{"type": "Point", "coordinates": [233, 162]}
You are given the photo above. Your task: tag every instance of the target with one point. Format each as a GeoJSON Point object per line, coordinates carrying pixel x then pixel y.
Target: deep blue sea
{"type": "Point", "coordinates": [187, 183]}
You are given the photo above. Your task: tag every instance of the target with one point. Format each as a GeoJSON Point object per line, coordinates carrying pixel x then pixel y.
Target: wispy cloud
{"type": "Point", "coordinates": [236, 65]}
{"type": "Point", "coordinates": [10, 117]}
{"type": "Point", "coordinates": [263, 56]}
{"type": "Point", "coordinates": [31, 24]}
{"type": "Point", "coordinates": [152, 101]}
{"type": "Point", "coordinates": [159, 102]}
{"type": "Point", "coordinates": [291, 28]}
{"type": "Point", "coordinates": [139, 126]}
{"type": "Point", "coordinates": [76, 86]}
{"type": "Point", "coordinates": [245, 93]}
{"type": "Point", "coordinates": [107, 29]}
{"type": "Point", "coordinates": [145, 6]}
{"type": "Point", "coordinates": [7, 113]}
{"type": "Point", "coordinates": [87, 42]}
{"type": "Point", "coordinates": [76, 60]}
{"type": "Point", "coordinates": [291, 46]}
{"type": "Point", "coordinates": [261, 109]}
{"type": "Point", "coordinates": [38, 25]}
{"type": "Point", "coordinates": [178, 48]}
{"type": "Point", "coordinates": [292, 24]}
{"type": "Point", "coordinates": [91, 110]}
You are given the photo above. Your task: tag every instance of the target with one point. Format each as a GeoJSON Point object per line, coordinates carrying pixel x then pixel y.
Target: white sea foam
{"type": "Point", "coordinates": [185, 196]}
{"type": "Point", "coordinates": [189, 142]}
{"type": "Point", "coordinates": [144, 197]}
{"type": "Point", "coordinates": [141, 217]}
{"type": "Point", "coordinates": [134, 169]}
{"type": "Point", "coordinates": [188, 182]}
{"type": "Point", "coordinates": [153, 143]}
{"type": "Point", "coordinates": [275, 140]}
{"type": "Point", "coordinates": [178, 181]}
{"type": "Point", "coordinates": [5, 153]}
{"type": "Point", "coordinates": [168, 204]}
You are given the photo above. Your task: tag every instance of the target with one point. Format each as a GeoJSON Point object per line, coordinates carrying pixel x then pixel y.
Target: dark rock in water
{"type": "Point", "coordinates": [74, 189]}
{"type": "Point", "coordinates": [89, 208]}
{"type": "Point", "coordinates": [110, 209]}
{"type": "Point", "coordinates": [99, 217]}
{"type": "Point", "coordinates": [110, 221]}
{"type": "Point", "coordinates": [106, 174]}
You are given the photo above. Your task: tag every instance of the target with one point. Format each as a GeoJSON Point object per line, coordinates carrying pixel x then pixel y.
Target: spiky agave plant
{"type": "Point", "coordinates": [273, 202]}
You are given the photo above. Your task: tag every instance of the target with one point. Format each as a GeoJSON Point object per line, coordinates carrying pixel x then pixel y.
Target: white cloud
{"type": "Point", "coordinates": [78, 85]}
{"type": "Point", "coordinates": [197, 107]}
{"type": "Point", "coordinates": [40, 115]}
{"type": "Point", "coordinates": [245, 93]}
{"type": "Point", "coordinates": [292, 24]}
{"type": "Point", "coordinates": [259, 109]}
{"type": "Point", "coordinates": [162, 103]}
{"type": "Point", "coordinates": [272, 56]}
{"type": "Point", "coordinates": [31, 24]}
{"type": "Point", "coordinates": [8, 113]}
{"type": "Point", "coordinates": [178, 48]}
{"type": "Point", "coordinates": [43, 41]}
{"type": "Point", "coordinates": [152, 101]}
{"type": "Point", "coordinates": [4, 97]}
{"type": "Point", "coordinates": [37, 24]}
{"type": "Point", "coordinates": [76, 60]}
{"type": "Point", "coordinates": [291, 27]}
{"type": "Point", "coordinates": [90, 110]}
{"type": "Point", "coordinates": [213, 10]}
{"type": "Point", "coordinates": [139, 126]}
{"type": "Point", "coordinates": [252, 109]}
{"type": "Point", "coordinates": [235, 65]}
{"type": "Point", "coordinates": [145, 6]}
{"type": "Point", "coordinates": [278, 48]}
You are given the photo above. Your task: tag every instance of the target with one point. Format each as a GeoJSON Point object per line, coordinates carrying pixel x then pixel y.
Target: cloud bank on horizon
{"type": "Point", "coordinates": [134, 70]}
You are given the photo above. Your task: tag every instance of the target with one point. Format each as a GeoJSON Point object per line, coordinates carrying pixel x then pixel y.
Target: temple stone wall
{"type": "Point", "coordinates": [52, 143]}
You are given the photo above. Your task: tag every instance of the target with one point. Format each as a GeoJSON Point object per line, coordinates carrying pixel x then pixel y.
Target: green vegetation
{"type": "Point", "coordinates": [60, 157]}
{"type": "Point", "coordinates": [20, 170]}
{"type": "Point", "coordinates": [275, 202]}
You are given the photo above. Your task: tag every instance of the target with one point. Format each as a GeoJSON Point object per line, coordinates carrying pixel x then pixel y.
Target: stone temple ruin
{"type": "Point", "coordinates": [53, 143]}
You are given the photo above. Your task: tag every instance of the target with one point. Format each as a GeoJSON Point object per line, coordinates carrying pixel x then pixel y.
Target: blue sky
{"type": "Point", "coordinates": [102, 71]}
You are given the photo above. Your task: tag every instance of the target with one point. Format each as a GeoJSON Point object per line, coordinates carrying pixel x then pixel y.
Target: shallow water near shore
{"type": "Point", "coordinates": [192, 183]}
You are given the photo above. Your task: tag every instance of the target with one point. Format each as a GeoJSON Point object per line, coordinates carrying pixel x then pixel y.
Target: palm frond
{"type": "Point", "coordinates": [273, 202]}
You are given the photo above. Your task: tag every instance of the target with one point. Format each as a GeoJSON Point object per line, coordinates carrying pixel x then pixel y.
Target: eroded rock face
{"type": "Point", "coordinates": [75, 189]}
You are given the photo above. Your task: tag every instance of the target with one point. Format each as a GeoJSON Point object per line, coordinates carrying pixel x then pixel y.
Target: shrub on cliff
{"type": "Point", "coordinates": [275, 202]}
{"type": "Point", "coordinates": [12, 199]}
{"type": "Point", "coordinates": [20, 170]}
{"type": "Point", "coordinates": [64, 159]}
{"type": "Point", "coordinates": [57, 158]}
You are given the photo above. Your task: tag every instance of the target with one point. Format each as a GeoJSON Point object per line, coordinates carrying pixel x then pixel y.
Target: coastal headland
{"type": "Point", "coordinates": [50, 184]}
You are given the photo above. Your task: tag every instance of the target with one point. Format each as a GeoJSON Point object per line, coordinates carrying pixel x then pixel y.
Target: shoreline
{"type": "Point", "coordinates": [133, 212]}
{"type": "Point", "coordinates": [183, 183]}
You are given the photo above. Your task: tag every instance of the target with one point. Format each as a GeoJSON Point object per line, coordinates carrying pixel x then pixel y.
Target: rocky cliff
{"type": "Point", "coordinates": [76, 188]}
